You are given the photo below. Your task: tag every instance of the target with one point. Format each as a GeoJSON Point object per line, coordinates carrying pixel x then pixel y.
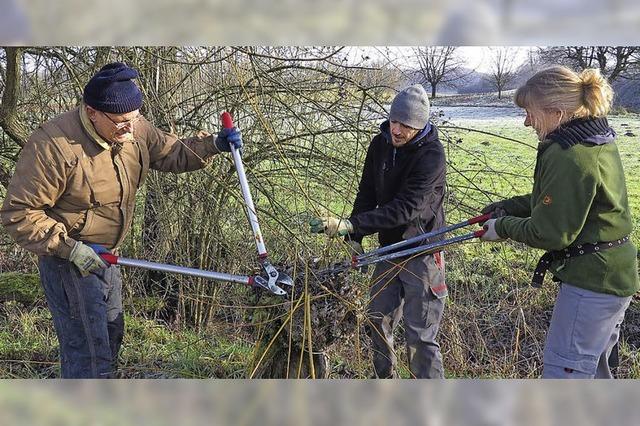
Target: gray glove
{"type": "Point", "coordinates": [86, 259]}
{"type": "Point", "coordinates": [495, 209]}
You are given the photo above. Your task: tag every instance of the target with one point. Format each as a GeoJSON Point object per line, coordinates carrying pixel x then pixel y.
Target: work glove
{"type": "Point", "coordinates": [228, 138]}
{"type": "Point", "coordinates": [490, 231]}
{"type": "Point", "coordinates": [86, 259]}
{"type": "Point", "coordinates": [331, 226]}
{"type": "Point", "coordinates": [495, 209]}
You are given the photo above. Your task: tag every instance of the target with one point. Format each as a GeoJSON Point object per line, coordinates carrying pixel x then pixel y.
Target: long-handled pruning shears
{"type": "Point", "coordinates": [396, 250]}
{"type": "Point", "coordinates": [273, 278]}
{"type": "Point", "coordinates": [254, 280]}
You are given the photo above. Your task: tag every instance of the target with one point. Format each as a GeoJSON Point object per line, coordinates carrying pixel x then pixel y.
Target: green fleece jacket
{"type": "Point", "coordinates": [579, 196]}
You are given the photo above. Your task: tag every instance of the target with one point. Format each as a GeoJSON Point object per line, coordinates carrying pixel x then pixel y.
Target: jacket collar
{"type": "Point", "coordinates": [591, 130]}
{"type": "Point", "coordinates": [87, 125]}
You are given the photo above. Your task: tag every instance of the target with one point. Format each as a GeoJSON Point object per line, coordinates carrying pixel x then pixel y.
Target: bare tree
{"type": "Point", "coordinates": [9, 108]}
{"type": "Point", "coordinates": [503, 68]}
{"type": "Point", "coordinates": [439, 65]}
{"type": "Point", "coordinates": [614, 62]}
{"type": "Point", "coordinates": [9, 119]}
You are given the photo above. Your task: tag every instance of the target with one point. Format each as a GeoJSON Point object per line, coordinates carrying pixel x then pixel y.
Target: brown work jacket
{"type": "Point", "coordinates": [70, 185]}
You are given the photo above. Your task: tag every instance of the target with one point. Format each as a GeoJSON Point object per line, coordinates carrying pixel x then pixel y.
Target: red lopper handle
{"type": "Point", "coordinates": [479, 219]}
{"type": "Point", "coordinates": [227, 121]}
{"type": "Point", "coordinates": [111, 259]}
{"type": "Point", "coordinates": [479, 233]}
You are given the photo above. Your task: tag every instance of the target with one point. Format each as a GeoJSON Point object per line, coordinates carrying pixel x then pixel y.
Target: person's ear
{"type": "Point", "coordinates": [91, 113]}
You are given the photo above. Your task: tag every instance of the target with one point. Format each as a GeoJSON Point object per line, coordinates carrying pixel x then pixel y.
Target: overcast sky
{"type": "Point", "coordinates": [480, 57]}
{"type": "Point", "coordinates": [477, 57]}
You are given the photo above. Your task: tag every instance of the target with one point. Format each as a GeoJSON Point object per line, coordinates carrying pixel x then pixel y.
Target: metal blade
{"type": "Point", "coordinates": [284, 279]}
{"type": "Point", "coordinates": [273, 275]}
{"type": "Point", "coordinates": [267, 285]}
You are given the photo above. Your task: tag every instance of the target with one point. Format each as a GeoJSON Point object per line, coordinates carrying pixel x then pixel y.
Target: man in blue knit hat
{"type": "Point", "coordinates": [400, 196]}
{"type": "Point", "coordinates": [73, 194]}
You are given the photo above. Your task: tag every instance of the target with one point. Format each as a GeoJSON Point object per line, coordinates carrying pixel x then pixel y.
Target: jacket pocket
{"type": "Point", "coordinates": [100, 180]}
{"type": "Point", "coordinates": [88, 222]}
{"type": "Point", "coordinates": [435, 268]}
{"type": "Point", "coordinates": [77, 195]}
{"type": "Point", "coordinates": [426, 272]}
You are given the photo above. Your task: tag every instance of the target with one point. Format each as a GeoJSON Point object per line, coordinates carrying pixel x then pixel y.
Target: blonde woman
{"type": "Point", "coordinates": [579, 213]}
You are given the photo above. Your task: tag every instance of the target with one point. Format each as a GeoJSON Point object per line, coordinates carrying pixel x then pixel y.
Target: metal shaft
{"type": "Point", "coordinates": [422, 237]}
{"type": "Point", "coordinates": [251, 210]}
{"type": "Point", "coordinates": [273, 276]}
{"type": "Point", "coordinates": [217, 276]}
{"type": "Point", "coordinates": [431, 247]}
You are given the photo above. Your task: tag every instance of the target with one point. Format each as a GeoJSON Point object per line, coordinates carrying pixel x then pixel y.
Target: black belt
{"type": "Point", "coordinates": [545, 261]}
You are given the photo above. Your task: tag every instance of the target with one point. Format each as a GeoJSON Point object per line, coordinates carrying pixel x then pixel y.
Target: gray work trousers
{"type": "Point", "coordinates": [414, 291]}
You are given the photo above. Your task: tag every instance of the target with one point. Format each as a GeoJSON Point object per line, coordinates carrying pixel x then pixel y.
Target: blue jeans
{"type": "Point", "coordinates": [87, 315]}
{"type": "Point", "coordinates": [585, 327]}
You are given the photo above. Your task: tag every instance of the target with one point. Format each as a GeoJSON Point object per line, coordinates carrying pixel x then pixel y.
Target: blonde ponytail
{"type": "Point", "coordinates": [596, 92]}
{"type": "Point", "coordinates": [559, 88]}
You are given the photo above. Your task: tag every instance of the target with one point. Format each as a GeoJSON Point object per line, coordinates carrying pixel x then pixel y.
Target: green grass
{"type": "Point", "coordinates": [29, 348]}
{"type": "Point", "coordinates": [494, 323]}
{"type": "Point", "coordinates": [153, 350]}
{"type": "Point", "coordinates": [27, 342]}
{"type": "Point", "coordinates": [24, 288]}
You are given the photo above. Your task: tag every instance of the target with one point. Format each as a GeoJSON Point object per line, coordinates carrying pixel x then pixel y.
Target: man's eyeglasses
{"type": "Point", "coordinates": [123, 124]}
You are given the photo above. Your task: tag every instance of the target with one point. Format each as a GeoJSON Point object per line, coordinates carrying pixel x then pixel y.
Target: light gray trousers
{"type": "Point", "coordinates": [585, 326]}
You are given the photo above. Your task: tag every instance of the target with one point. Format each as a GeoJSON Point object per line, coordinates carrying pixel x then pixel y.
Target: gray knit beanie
{"type": "Point", "coordinates": [411, 107]}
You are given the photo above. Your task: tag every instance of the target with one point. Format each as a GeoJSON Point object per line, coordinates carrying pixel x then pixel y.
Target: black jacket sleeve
{"type": "Point", "coordinates": [417, 192]}
{"type": "Point", "coordinates": [366, 197]}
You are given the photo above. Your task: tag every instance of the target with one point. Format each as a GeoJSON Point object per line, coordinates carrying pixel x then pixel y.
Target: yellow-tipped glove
{"type": "Point", "coordinates": [331, 226]}
{"type": "Point", "coordinates": [86, 259]}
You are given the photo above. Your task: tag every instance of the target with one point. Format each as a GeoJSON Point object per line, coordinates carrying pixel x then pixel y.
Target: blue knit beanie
{"type": "Point", "coordinates": [112, 89]}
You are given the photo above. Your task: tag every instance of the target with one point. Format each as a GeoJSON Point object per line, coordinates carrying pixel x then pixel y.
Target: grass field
{"type": "Point", "coordinates": [494, 323]}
